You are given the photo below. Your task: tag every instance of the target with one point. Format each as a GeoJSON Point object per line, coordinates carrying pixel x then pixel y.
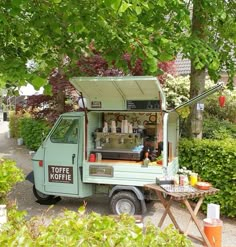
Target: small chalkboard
{"type": "Point", "coordinates": [149, 105]}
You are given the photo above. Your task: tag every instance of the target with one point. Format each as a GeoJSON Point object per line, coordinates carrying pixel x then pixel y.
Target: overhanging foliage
{"type": "Point", "coordinates": [50, 31]}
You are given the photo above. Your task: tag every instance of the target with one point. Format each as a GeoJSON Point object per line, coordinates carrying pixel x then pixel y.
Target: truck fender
{"type": "Point", "coordinates": [135, 190]}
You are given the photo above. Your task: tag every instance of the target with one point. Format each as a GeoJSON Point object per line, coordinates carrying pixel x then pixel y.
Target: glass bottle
{"type": "Point", "coordinates": [146, 160]}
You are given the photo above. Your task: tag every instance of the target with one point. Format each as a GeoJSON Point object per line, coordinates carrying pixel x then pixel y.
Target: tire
{"type": "Point", "coordinates": [125, 202]}
{"type": "Point", "coordinates": [43, 198]}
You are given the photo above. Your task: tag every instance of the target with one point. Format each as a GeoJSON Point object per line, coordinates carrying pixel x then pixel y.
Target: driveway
{"type": "Point", "coordinates": [25, 199]}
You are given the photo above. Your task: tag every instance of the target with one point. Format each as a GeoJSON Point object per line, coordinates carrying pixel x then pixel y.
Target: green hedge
{"type": "Point", "coordinates": [33, 132]}
{"type": "Point", "coordinates": [85, 230]}
{"type": "Point", "coordinates": [215, 162]}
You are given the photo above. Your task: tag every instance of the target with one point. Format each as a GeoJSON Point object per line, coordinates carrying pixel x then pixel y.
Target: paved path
{"type": "Point", "coordinates": [25, 199]}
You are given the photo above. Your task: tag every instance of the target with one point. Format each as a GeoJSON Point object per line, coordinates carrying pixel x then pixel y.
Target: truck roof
{"type": "Point", "coordinates": [120, 93]}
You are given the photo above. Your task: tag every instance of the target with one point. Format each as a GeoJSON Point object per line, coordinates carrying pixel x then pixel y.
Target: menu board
{"type": "Point", "coordinates": [143, 105]}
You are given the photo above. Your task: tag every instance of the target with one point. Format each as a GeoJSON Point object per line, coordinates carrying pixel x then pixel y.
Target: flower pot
{"type": "Point", "coordinates": [20, 141]}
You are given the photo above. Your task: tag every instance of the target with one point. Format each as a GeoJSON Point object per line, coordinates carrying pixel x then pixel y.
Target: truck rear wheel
{"type": "Point", "coordinates": [43, 198]}
{"type": "Point", "coordinates": [125, 202]}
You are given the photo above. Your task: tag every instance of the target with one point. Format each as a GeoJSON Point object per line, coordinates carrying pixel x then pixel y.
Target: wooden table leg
{"type": "Point", "coordinates": [196, 209]}
{"type": "Point", "coordinates": [195, 220]}
{"type": "Point", "coordinates": [167, 205]}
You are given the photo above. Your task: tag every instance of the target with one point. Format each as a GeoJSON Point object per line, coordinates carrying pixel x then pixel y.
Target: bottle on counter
{"type": "Point", "coordinates": [146, 160]}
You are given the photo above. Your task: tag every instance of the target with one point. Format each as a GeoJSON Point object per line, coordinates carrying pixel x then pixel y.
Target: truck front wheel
{"type": "Point", "coordinates": [43, 198]}
{"type": "Point", "coordinates": [125, 202]}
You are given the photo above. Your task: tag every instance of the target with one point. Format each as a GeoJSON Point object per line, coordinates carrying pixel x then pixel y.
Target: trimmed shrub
{"type": "Point", "coordinates": [33, 132]}
{"type": "Point", "coordinates": [215, 162]}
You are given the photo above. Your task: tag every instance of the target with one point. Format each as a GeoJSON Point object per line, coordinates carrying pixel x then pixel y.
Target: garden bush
{"type": "Point", "coordinates": [33, 132]}
{"type": "Point", "coordinates": [215, 162]}
{"type": "Point", "coordinates": [81, 229]}
{"type": "Point", "coordinates": [9, 176]}
{"type": "Point", "coordinates": [215, 129]}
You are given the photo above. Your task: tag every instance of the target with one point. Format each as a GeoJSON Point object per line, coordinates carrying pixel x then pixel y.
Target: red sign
{"type": "Point", "coordinates": [60, 174]}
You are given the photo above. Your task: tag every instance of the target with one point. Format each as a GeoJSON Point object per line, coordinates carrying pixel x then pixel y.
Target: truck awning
{"type": "Point", "coordinates": [120, 93]}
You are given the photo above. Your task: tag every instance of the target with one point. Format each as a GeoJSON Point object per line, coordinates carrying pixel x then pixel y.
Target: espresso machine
{"type": "Point", "coordinates": [120, 146]}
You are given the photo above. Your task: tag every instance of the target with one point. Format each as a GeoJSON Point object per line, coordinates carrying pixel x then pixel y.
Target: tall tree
{"type": "Point", "coordinates": [48, 31]}
{"type": "Point", "coordinates": [198, 73]}
{"type": "Point", "coordinates": [212, 45]}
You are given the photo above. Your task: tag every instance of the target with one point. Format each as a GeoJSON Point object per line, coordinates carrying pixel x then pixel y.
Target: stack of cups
{"type": "Point", "coordinates": [105, 128]}
{"type": "Point", "coordinates": [124, 126]}
{"type": "Point", "coordinates": [113, 127]}
{"type": "Point", "coordinates": [130, 128]}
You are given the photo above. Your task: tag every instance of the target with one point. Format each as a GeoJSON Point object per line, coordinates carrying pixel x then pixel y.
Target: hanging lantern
{"type": "Point", "coordinates": [222, 100]}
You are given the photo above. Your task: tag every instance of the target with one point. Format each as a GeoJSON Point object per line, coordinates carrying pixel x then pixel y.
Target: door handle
{"type": "Point", "coordinates": [73, 159]}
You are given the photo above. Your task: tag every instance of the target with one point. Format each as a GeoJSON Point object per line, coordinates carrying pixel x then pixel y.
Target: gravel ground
{"type": "Point", "coordinates": [25, 199]}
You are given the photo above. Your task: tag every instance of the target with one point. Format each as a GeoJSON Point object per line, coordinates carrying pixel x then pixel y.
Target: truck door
{"type": "Point", "coordinates": [61, 157]}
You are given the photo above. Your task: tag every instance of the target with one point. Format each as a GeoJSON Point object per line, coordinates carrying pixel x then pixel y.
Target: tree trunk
{"type": "Point", "coordinates": [60, 99]}
{"type": "Point", "coordinates": [197, 77]}
{"type": "Point", "coordinates": [195, 120]}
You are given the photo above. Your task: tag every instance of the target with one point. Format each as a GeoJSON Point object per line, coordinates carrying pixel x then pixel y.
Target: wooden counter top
{"type": "Point", "coordinates": [178, 196]}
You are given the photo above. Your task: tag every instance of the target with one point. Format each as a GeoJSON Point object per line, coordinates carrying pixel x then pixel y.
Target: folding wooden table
{"type": "Point", "coordinates": [167, 199]}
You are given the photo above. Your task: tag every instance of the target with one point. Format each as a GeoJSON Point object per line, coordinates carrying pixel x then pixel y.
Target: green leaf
{"type": "Point", "coordinates": [164, 40]}
{"type": "Point", "coordinates": [223, 15]}
{"type": "Point", "coordinates": [165, 57]}
{"type": "Point", "coordinates": [124, 6]}
{"type": "Point", "coordinates": [138, 10]}
{"type": "Point", "coordinates": [38, 82]}
{"type": "Point", "coordinates": [115, 4]}
{"type": "Point", "coordinates": [214, 65]}
{"type": "Point", "coordinates": [161, 3]}
{"type": "Point", "coordinates": [47, 89]}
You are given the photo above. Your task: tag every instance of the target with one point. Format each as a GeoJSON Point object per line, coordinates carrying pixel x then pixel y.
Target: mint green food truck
{"type": "Point", "coordinates": [112, 144]}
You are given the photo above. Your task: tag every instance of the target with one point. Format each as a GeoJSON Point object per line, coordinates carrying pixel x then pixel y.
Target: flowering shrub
{"type": "Point", "coordinates": [176, 90]}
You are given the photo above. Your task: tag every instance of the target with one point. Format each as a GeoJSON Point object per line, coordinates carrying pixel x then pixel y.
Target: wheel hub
{"type": "Point", "coordinates": [125, 206]}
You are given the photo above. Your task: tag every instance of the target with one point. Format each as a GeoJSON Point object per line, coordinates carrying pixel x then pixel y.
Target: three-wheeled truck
{"type": "Point", "coordinates": [111, 144]}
